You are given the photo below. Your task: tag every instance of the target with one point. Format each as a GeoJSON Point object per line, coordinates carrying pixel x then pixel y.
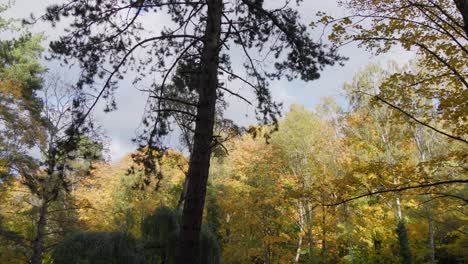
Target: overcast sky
{"type": "Point", "coordinates": [120, 126]}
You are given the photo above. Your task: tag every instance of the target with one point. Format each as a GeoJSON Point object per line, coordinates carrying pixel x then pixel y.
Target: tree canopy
{"type": "Point", "coordinates": [377, 174]}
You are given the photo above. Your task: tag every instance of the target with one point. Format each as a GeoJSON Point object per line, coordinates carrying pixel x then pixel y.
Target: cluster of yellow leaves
{"type": "Point", "coordinates": [256, 212]}
{"type": "Point", "coordinates": [111, 196]}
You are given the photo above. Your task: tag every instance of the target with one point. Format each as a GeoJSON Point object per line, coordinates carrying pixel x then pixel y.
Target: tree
{"type": "Point", "coordinates": [405, 253]}
{"type": "Point", "coordinates": [257, 215]}
{"type": "Point", "coordinates": [160, 234]}
{"type": "Point", "coordinates": [20, 104]}
{"type": "Point", "coordinates": [114, 248]}
{"type": "Point", "coordinates": [198, 44]}
{"type": "Point", "coordinates": [306, 143]}
{"type": "Point", "coordinates": [63, 161]}
{"type": "Point", "coordinates": [157, 245]}
{"type": "Point", "coordinates": [435, 31]}
{"type": "Point", "coordinates": [398, 153]}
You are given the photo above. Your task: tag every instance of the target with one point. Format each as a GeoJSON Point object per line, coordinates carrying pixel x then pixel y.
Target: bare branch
{"type": "Point", "coordinates": [419, 186]}
{"type": "Point", "coordinates": [122, 61]}
{"type": "Point", "coordinates": [235, 94]}
{"type": "Point", "coordinates": [424, 47]}
{"type": "Point", "coordinates": [173, 100]}
{"type": "Point", "coordinates": [414, 118]}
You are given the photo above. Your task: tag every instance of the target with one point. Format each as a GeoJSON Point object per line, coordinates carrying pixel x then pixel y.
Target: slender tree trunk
{"type": "Point", "coordinates": [301, 228]}
{"type": "Point", "coordinates": [183, 194]}
{"type": "Point", "coordinates": [402, 234]}
{"type": "Point", "coordinates": [266, 255]}
{"type": "Point", "coordinates": [431, 237]}
{"type": "Point", "coordinates": [423, 152]}
{"type": "Point", "coordinates": [38, 243]}
{"type": "Point", "coordinates": [298, 250]}
{"type": "Point", "coordinates": [203, 138]}
{"type": "Point", "coordinates": [350, 245]}
{"type": "Point", "coordinates": [324, 244]}
{"type": "Point", "coordinates": [228, 228]}
{"type": "Point", "coordinates": [349, 234]}
{"type": "Point", "coordinates": [324, 233]}
{"type": "Point", "coordinates": [306, 220]}
{"type": "Point", "coordinates": [398, 204]}
{"type": "Point", "coordinates": [310, 235]}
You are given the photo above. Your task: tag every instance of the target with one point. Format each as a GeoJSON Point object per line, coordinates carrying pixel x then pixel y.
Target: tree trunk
{"type": "Point", "coordinates": [431, 237]}
{"type": "Point", "coordinates": [301, 228]}
{"type": "Point", "coordinates": [423, 152]}
{"type": "Point", "coordinates": [38, 243]}
{"type": "Point", "coordinates": [310, 235]}
{"type": "Point", "coordinates": [349, 233]}
{"type": "Point", "coordinates": [398, 204]}
{"type": "Point", "coordinates": [183, 194]}
{"type": "Point", "coordinates": [350, 250]}
{"type": "Point", "coordinates": [298, 250]}
{"type": "Point", "coordinates": [203, 138]}
{"type": "Point", "coordinates": [324, 233]}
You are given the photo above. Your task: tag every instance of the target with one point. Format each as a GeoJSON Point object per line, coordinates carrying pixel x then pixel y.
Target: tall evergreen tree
{"type": "Point", "coordinates": [20, 105]}
{"type": "Point", "coordinates": [405, 253]}
{"type": "Point", "coordinates": [191, 52]}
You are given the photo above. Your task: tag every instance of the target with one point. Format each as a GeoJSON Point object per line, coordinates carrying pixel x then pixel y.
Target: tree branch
{"type": "Point", "coordinates": [235, 94]}
{"type": "Point", "coordinates": [398, 190]}
{"type": "Point", "coordinates": [424, 47]}
{"type": "Point", "coordinates": [119, 65]}
{"type": "Point", "coordinates": [414, 118]}
{"type": "Point", "coordinates": [173, 100]}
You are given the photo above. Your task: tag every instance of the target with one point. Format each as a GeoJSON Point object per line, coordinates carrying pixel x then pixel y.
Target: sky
{"type": "Point", "coordinates": [121, 126]}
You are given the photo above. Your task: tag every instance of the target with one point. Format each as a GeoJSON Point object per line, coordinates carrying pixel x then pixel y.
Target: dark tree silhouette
{"type": "Point", "coordinates": [405, 252]}
{"type": "Point", "coordinates": [98, 247]}
{"type": "Point", "coordinates": [108, 37]}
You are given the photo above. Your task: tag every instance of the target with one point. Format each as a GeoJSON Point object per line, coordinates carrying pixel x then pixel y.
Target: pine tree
{"type": "Point", "coordinates": [405, 252]}
{"type": "Point", "coordinates": [191, 52]}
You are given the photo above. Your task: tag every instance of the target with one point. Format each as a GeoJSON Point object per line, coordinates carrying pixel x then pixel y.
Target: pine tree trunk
{"type": "Point", "coordinates": [203, 139]}
{"type": "Point", "coordinates": [38, 243]}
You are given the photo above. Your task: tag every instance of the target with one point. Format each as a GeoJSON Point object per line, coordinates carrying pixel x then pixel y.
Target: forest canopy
{"type": "Point", "coordinates": [376, 174]}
